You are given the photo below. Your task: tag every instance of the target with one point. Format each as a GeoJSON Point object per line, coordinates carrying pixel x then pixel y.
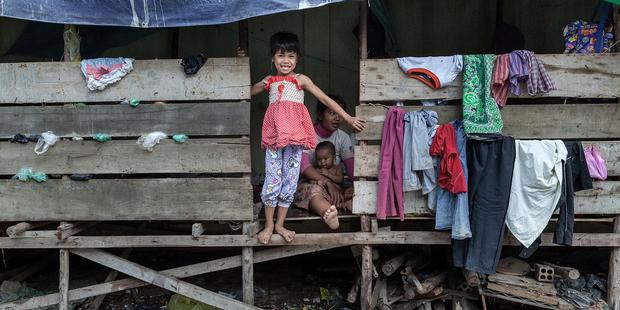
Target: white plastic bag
{"type": "Point", "coordinates": [149, 141]}
{"type": "Point", "coordinates": [46, 140]}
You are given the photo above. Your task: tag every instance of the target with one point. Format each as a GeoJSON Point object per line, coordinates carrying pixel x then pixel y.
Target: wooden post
{"type": "Point", "coordinates": [63, 285]}
{"type": "Point", "coordinates": [613, 289]}
{"type": "Point", "coordinates": [363, 30]}
{"type": "Point", "coordinates": [19, 228]}
{"type": "Point", "coordinates": [97, 301]}
{"type": "Point", "coordinates": [247, 267]}
{"type": "Point", "coordinates": [366, 287]}
{"type": "Point", "coordinates": [243, 36]}
{"type": "Point", "coordinates": [198, 229]}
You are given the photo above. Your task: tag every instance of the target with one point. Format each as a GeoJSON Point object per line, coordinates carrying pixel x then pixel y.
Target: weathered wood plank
{"type": "Point", "coordinates": [127, 199]}
{"type": "Point", "coordinates": [537, 121]}
{"type": "Point", "coordinates": [202, 118]}
{"type": "Point", "coordinates": [603, 199]}
{"type": "Point", "coordinates": [613, 285]}
{"type": "Point", "coordinates": [323, 239]}
{"type": "Point", "coordinates": [150, 80]}
{"type": "Point", "coordinates": [247, 268]}
{"type": "Point", "coordinates": [367, 158]}
{"type": "Point", "coordinates": [179, 272]}
{"type": "Point", "coordinates": [164, 281]}
{"type": "Point", "coordinates": [597, 77]}
{"type": "Point", "coordinates": [126, 157]}
{"type": "Point", "coordinates": [63, 280]}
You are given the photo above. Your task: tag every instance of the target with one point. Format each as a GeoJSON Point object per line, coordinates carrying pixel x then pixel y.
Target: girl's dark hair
{"type": "Point", "coordinates": [326, 145]}
{"type": "Point", "coordinates": [320, 108]}
{"type": "Point", "coordinates": [284, 41]}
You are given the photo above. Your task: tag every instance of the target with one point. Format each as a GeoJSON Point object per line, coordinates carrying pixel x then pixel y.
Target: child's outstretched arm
{"type": "Point", "coordinates": [356, 123]}
{"type": "Point", "coordinates": [258, 87]}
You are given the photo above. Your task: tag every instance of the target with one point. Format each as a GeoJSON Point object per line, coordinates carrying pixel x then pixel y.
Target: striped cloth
{"type": "Point", "coordinates": [501, 71]}
{"type": "Point", "coordinates": [527, 66]}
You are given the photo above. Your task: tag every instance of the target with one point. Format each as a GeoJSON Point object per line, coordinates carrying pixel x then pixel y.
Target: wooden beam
{"type": "Point", "coordinates": [533, 121]}
{"type": "Point", "coordinates": [381, 237]}
{"type": "Point", "coordinates": [95, 302]}
{"type": "Point", "coordinates": [179, 272]}
{"type": "Point", "coordinates": [194, 119]}
{"type": "Point", "coordinates": [363, 31]}
{"type": "Point", "coordinates": [366, 284]}
{"type": "Point", "coordinates": [18, 228]}
{"type": "Point", "coordinates": [367, 158]}
{"type": "Point", "coordinates": [603, 199]}
{"type": "Point", "coordinates": [383, 80]}
{"type": "Point", "coordinates": [150, 80]}
{"type": "Point", "coordinates": [127, 200]}
{"type": "Point", "coordinates": [63, 286]}
{"type": "Point", "coordinates": [198, 229]}
{"type": "Point", "coordinates": [247, 268]}
{"type": "Point", "coordinates": [156, 278]}
{"type": "Point", "coordinates": [125, 157]}
{"type": "Point", "coordinates": [340, 239]}
{"type": "Point", "coordinates": [613, 286]}
{"type": "Point", "coordinates": [243, 35]}
{"type": "Point", "coordinates": [66, 230]}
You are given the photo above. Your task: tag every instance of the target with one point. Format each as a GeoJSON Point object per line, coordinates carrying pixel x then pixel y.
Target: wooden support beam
{"type": "Point", "coordinates": [66, 230]}
{"type": "Point", "coordinates": [96, 302]}
{"type": "Point", "coordinates": [36, 234]}
{"type": "Point", "coordinates": [164, 281]}
{"type": "Point", "coordinates": [247, 268]}
{"type": "Point", "coordinates": [198, 229]}
{"type": "Point", "coordinates": [179, 272]}
{"type": "Point", "coordinates": [63, 285]}
{"type": "Point", "coordinates": [613, 289]}
{"type": "Point", "coordinates": [366, 285]}
{"type": "Point", "coordinates": [243, 36]}
{"type": "Point", "coordinates": [16, 229]}
{"type": "Point", "coordinates": [363, 30]}
{"type": "Point", "coordinates": [341, 239]}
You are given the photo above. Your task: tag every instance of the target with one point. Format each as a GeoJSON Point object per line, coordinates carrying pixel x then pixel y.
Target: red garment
{"type": "Point", "coordinates": [451, 176]}
{"type": "Point", "coordinates": [390, 189]}
{"type": "Point", "coordinates": [499, 88]}
{"type": "Point", "coordinates": [287, 121]}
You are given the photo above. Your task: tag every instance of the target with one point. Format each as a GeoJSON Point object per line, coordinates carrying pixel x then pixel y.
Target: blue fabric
{"type": "Point", "coordinates": [416, 158]}
{"type": "Point", "coordinates": [149, 13]}
{"type": "Point", "coordinates": [452, 211]}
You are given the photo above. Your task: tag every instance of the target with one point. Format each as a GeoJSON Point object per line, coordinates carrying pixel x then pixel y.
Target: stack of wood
{"type": "Point", "coordinates": [514, 282]}
{"type": "Point", "coordinates": [409, 281]}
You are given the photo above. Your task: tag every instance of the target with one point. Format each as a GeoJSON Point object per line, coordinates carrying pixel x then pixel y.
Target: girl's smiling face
{"type": "Point", "coordinates": [285, 62]}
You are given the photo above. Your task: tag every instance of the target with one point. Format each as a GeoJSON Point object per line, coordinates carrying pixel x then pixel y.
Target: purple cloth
{"type": "Point", "coordinates": [390, 190]}
{"type": "Point", "coordinates": [519, 71]}
{"type": "Point", "coordinates": [524, 65]}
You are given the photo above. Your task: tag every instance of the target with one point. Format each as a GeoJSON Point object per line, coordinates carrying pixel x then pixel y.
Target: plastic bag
{"type": "Point", "coordinates": [180, 302]}
{"type": "Point", "coordinates": [149, 141]}
{"type": "Point", "coordinates": [596, 163]}
{"type": "Point", "coordinates": [180, 138]}
{"type": "Point", "coordinates": [102, 137]}
{"type": "Point", "coordinates": [46, 140]}
{"type": "Point", "coordinates": [25, 174]}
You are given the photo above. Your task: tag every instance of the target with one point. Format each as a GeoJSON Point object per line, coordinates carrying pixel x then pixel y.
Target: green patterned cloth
{"type": "Point", "coordinates": [480, 111]}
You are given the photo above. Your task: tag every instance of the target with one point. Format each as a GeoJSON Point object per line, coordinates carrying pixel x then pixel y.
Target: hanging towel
{"type": "Point", "coordinates": [480, 112]}
{"type": "Point", "coordinates": [536, 187]}
{"type": "Point", "coordinates": [390, 188]}
{"type": "Point", "coordinates": [101, 72]}
{"type": "Point", "coordinates": [500, 79]}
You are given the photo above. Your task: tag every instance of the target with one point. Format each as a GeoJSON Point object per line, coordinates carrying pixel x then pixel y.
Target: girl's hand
{"type": "Point", "coordinates": [356, 123]}
{"type": "Point", "coordinates": [240, 52]}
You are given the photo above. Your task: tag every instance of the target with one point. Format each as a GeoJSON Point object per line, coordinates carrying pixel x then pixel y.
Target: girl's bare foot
{"type": "Point", "coordinates": [265, 235]}
{"type": "Point", "coordinates": [331, 218]}
{"type": "Point", "coordinates": [288, 235]}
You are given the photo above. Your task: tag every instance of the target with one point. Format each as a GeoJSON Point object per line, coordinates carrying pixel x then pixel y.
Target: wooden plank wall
{"type": "Point", "coordinates": [595, 123]}
{"type": "Point", "coordinates": [205, 178]}
{"type": "Point", "coordinates": [579, 76]}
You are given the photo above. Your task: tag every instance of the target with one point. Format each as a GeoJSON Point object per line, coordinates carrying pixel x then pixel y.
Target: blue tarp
{"type": "Point", "coordinates": [149, 13]}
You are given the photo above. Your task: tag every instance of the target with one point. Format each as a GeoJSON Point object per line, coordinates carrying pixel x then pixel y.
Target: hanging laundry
{"type": "Point", "coordinates": [490, 161]}
{"type": "Point", "coordinates": [416, 157]}
{"type": "Point", "coordinates": [390, 188]}
{"type": "Point", "coordinates": [452, 210]}
{"type": "Point", "coordinates": [101, 72]}
{"type": "Point", "coordinates": [576, 178]}
{"type": "Point", "coordinates": [436, 72]}
{"type": "Point", "coordinates": [596, 163]}
{"type": "Point", "coordinates": [191, 64]}
{"type": "Point", "coordinates": [536, 187]}
{"type": "Point", "coordinates": [480, 112]}
{"type": "Point", "coordinates": [501, 71]}
{"type": "Point", "coordinates": [451, 176]}
{"type": "Point", "coordinates": [525, 66]}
